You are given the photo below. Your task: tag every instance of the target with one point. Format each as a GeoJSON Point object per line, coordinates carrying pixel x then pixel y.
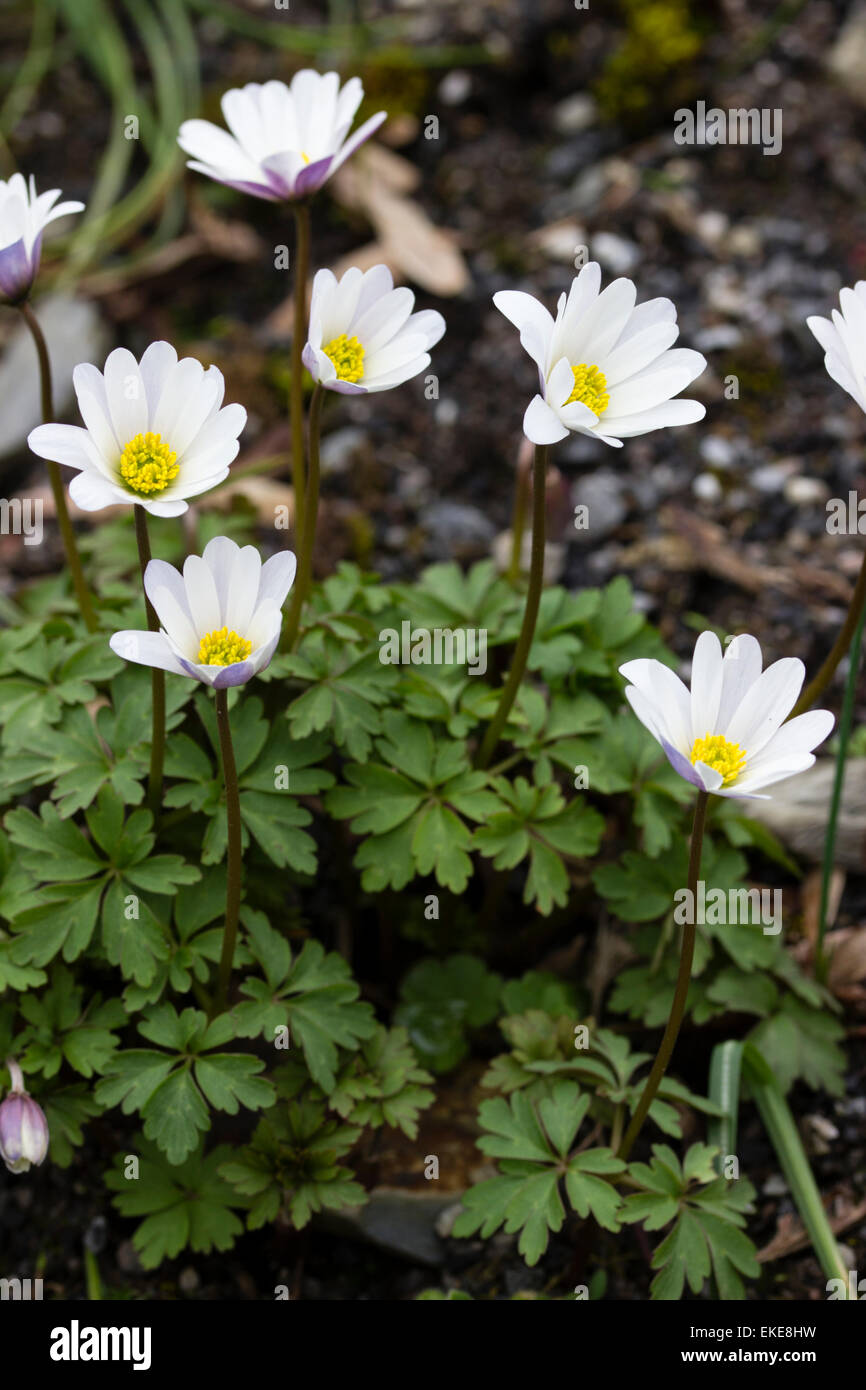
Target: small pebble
{"type": "Point", "coordinates": [707, 487]}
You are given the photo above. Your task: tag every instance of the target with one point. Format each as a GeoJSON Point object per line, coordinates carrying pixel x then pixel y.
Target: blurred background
{"type": "Point", "coordinates": [519, 132]}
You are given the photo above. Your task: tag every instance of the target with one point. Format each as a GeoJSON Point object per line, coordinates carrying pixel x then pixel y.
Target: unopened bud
{"type": "Point", "coordinates": [23, 1126]}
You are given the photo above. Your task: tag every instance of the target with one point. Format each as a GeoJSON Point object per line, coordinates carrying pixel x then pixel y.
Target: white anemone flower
{"type": "Point", "coordinates": [363, 334]}
{"type": "Point", "coordinates": [728, 736]}
{"type": "Point", "coordinates": [606, 368]}
{"type": "Point", "coordinates": [219, 620]}
{"type": "Point", "coordinates": [285, 142]}
{"type": "Point", "coordinates": [843, 339]}
{"type": "Point", "coordinates": [156, 432]}
{"type": "Point", "coordinates": [24, 215]}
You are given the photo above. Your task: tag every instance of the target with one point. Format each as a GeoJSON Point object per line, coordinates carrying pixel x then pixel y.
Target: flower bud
{"type": "Point", "coordinates": [23, 1126]}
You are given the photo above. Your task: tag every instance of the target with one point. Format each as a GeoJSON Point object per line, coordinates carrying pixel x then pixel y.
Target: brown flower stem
{"type": "Point", "coordinates": [296, 385]}
{"type": "Point", "coordinates": [233, 857]}
{"type": "Point", "coordinates": [301, 590]}
{"type": "Point", "coordinates": [157, 675]}
{"type": "Point", "coordinates": [678, 1007]}
{"type": "Point", "coordinates": [73, 559]}
{"type": "Point", "coordinates": [816, 687]}
{"type": "Point", "coordinates": [518, 518]}
{"type": "Point", "coordinates": [530, 612]}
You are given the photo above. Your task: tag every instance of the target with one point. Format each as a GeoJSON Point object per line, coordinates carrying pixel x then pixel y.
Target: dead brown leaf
{"type": "Point", "coordinates": [791, 1235]}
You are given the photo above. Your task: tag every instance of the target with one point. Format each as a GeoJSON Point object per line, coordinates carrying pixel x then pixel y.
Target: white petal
{"type": "Point", "coordinates": [678, 412]}
{"type": "Point", "coordinates": [647, 713]}
{"type": "Point", "coordinates": [161, 575]}
{"type": "Point", "coordinates": [430, 324]}
{"type": "Point", "coordinates": [211, 145]}
{"type": "Point", "coordinates": [276, 578]}
{"type": "Point", "coordinates": [541, 424]}
{"type": "Point", "coordinates": [766, 705]}
{"type": "Point", "coordinates": [174, 617]}
{"type": "Point", "coordinates": [156, 365]}
{"type": "Point", "coordinates": [560, 385]}
{"type": "Point", "coordinates": [243, 589]}
{"type": "Point", "coordinates": [706, 684]}
{"type": "Point", "coordinates": [180, 385]}
{"type": "Point", "coordinates": [668, 696]}
{"type": "Point", "coordinates": [219, 555]}
{"type": "Point", "coordinates": [125, 395]}
{"type": "Point", "coordinates": [647, 315]}
{"type": "Point", "coordinates": [710, 776]}
{"type": "Point", "coordinates": [91, 491]}
{"type": "Point", "coordinates": [361, 134]}
{"type": "Point", "coordinates": [147, 649]}
{"type": "Point", "coordinates": [384, 319]}
{"type": "Point", "coordinates": [201, 595]}
{"type": "Point", "coordinates": [637, 352]}
{"type": "Point", "coordinates": [593, 336]}
{"type": "Point", "coordinates": [531, 318]}
{"type": "Point", "coordinates": [740, 669]}
{"type": "Point", "coordinates": [64, 444]}
{"type": "Point", "coordinates": [264, 625]}
{"type": "Point", "coordinates": [404, 371]}
{"type": "Point", "coordinates": [795, 737]}
{"type": "Point", "coordinates": [775, 770]}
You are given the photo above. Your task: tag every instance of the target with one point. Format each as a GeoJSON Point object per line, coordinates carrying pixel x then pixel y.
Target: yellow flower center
{"type": "Point", "coordinates": [305, 157]}
{"type": "Point", "coordinates": [347, 355]}
{"type": "Point", "coordinates": [223, 648]}
{"type": "Point", "coordinates": [590, 386]}
{"type": "Point", "coordinates": [147, 464]}
{"type": "Point", "coordinates": [727, 758]}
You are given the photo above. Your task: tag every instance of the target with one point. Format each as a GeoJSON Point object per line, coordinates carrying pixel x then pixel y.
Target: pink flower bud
{"type": "Point", "coordinates": [23, 1126]}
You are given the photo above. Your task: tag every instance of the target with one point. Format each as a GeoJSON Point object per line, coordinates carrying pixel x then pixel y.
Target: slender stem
{"type": "Point", "coordinates": [819, 683]}
{"type": "Point", "coordinates": [845, 722]}
{"type": "Point", "coordinates": [157, 676]}
{"type": "Point", "coordinates": [303, 578]}
{"type": "Point", "coordinates": [678, 1007]}
{"type": "Point", "coordinates": [518, 518]}
{"type": "Point", "coordinates": [16, 1078]}
{"type": "Point", "coordinates": [530, 612]}
{"type": "Point", "coordinates": [73, 559]}
{"type": "Point", "coordinates": [233, 880]}
{"type": "Point", "coordinates": [296, 386]}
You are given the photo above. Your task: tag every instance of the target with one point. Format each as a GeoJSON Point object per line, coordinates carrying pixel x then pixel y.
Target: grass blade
{"type": "Point", "coordinates": [779, 1124]}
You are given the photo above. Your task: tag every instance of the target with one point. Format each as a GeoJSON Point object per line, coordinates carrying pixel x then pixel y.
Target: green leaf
{"type": "Point", "coordinates": [532, 1141]}
{"type": "Point", "coordinates": [317, 999]}
{"type": "Point", "coordinates": [707, 1216]}
{"type": "Point", "coordinates": [291, 1166]}
{"type": "Point", "coordinates": [538, 823]}
{"type": "Point", "coordinates": [173, 1090]}
{"type": "Point", "coordinates": [800, 1043]}
{"type": "Point", "coordinates": [186, 1205]}
{"type": "Point", "coordinates": [440, 1000]}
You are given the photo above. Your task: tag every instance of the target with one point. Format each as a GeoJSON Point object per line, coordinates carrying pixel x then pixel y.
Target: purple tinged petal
{"type": "Point", "coordinates": [237, 674]}
{"type": "Point", "coordinates": [312, 176]}
{"type": "Point", "coordinates": [345, 388]}
{"type": "Point", "coordinates": [680, 763]}
{"type": "Point", "coordinates": [23, 1132]}
{"type": "Point", "coordinates": [17, 271]}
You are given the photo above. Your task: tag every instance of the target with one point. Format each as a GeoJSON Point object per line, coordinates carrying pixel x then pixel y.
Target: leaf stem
{"type": "Point", "coordinates": [157, 676]}
{"type": "Point", "coordinates": [530, 612]}
{"type": "Point", "coordinates": [233, 860]}
{"type": "Point", "coordinates": [854, 616]}
{"type": "Point", "coordinates": [845, 721]}
{"type": "Point", "coordinates": [70, 546]}
{"type": "Point", "coordinates": [678, 1007]}
{"type": "Point", "coordinates": [518, 517]}
{"type": "Point", "coordinates": [311, 510]}
{"type": "Point", "coordinates": [296, 384]}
